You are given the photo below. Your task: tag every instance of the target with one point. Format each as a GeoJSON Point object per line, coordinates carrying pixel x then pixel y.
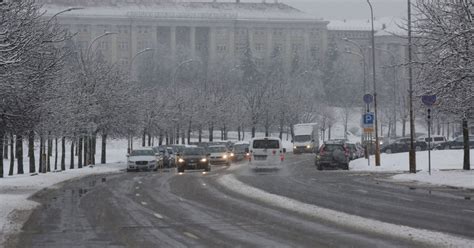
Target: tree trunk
{"type": "Point", "coordinates": [404, 126]}
{"type": "Point", "coordinates": [2, 134]}
{"type": "Point", "coordinates": [19, 154]}
{"type": "Point", "coordinates": [41, 164]}
{"type": "Point", "coordinates": [31, 151]}
{"type": "Point", "coordinates": [55, 153]}
{"type": "Point", "coordinates": [85, 150]}
{"type": "Point", "coordinates": [329, 132]}
{"type": "Point", "coordinates": [183, 138]}
{"type": "Point", "coordinates": [160, 138]}
{"type": "Point", "coordinates": [211, 132]}
{"type": "Point", "coordinates": [253, 131]}
{"type": "Point", "coordinates": [63, 153]}
{"type": "Point", "coordinates": [49, 152]}
{"type": "Point", "coordinates": [43, 155]}
{"type": "Point", "coordinates": [177, 134]}
{"type": "Point", "coordinates": [144, 138]}
{"type": "Point", "coordinates": [79, 153]}
{"type": "Point", "coordinates": [12, 155]}
{"type": "Point", "coordinates": [189, 132]}
{"type": "Point", "coordinates": [103, 155]}
{"type": "Point", "coordinates": [465, 134]}
{"type": "Point", "coordinates": [71, 165]}
{"type": "Point", "coordinates": [5, 146]}
{"type": "Point", "coordinates": [149, 140]}
{"type": "Point", "coordinates": [448, 132]}
{"type": "Point", "coordinates": [238, 132]}
{"type": "Point", "coordinates": [93, 148]}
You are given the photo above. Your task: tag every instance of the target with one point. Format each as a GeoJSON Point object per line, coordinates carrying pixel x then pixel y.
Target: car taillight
{"type": "Point", "coordinates": [346, 151]}
{"type": "Point", "coordinates": [274, 152]}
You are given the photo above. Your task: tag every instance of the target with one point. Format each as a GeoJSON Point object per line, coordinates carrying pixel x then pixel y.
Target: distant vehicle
{"type": "Point", "coordinates": [266, 153]}
{"type": "Point", "coordinates": [164, 157]}
{"type": "Point", "coordinates": [239, 151]}
{"type": "Point", "coordinates": [403, 145]}
{"type": "Point", "coordinates": [306, 138]}
{"type": "Point", "coordinates": [219, 154]}
{"type": "Point", "coordinates": [193, 158]}
{"type": "Point", "coordinates": [353, 153]}
{"type": "Point", "coordinates": [436, 140]}
{"type": "Point", "coordinates": [142, 159]}
{"type": "Point", "coordinates": [333, 155]}
{"type": "Point", "coordinates": [457, 143]}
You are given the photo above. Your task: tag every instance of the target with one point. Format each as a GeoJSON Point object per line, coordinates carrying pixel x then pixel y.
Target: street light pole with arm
{"type": "Point", "coordinates": [377, 144]}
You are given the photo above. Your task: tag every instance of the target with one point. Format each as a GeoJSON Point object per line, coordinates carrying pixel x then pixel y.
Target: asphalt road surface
{"type": "Point", "coordinates": [165, 209]}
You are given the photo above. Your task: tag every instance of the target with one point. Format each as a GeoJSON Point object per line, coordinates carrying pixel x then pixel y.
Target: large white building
{"type": "Point", "coordinates": [209, 31]}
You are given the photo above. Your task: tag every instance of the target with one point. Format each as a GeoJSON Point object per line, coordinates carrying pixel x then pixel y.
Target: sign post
{"type": "Point", "coordinates": [368, 99]}
{"type": "Point", "coordinates": [429, 101]}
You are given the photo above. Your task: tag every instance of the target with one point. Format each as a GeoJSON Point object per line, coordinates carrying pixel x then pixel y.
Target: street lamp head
{"type": "Point", "coordinates": [73, 8]}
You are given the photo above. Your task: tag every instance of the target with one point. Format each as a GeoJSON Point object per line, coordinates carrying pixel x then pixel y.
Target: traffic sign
{"type": "Point", "coordinates": [429, 100]}
{"type": "Point", "coordinates": [368, 98]}
{"type": "Point", "coordinates": [368, 119]}
{"type": "Point", "coordinates": [368, 130]}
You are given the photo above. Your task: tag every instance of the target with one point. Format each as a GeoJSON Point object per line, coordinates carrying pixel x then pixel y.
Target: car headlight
{"type": "Point", "coordinates": [308, 146]}
{"type": "Point", "coordinates": [204, 160]}
{"type": "Point", "coordinates": [318, 157]}
{"type": "Point", "coordinates": [231, 154]}
{"type": "Point", "coordinates": [248, 154]}
{"type": "Point", "coordinates": [225, 156]}
{"type": "Point", "coordinates": [181, 160]}
{"type": "Point", "coordinates": [294, 147]}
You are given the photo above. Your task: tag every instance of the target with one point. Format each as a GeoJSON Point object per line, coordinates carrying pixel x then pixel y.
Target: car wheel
{"type": "Point", "coordinates": [207, 169]}
{"type": "Point", "coordinates": [388, 151]}
{"type": "Point", "coordinates": [180, 170]}
{"type": "Point", "coordinates": [129, 170]}
{"type": "Point", "coordinates": [320, 167]}
{"type": "Point", "coordinates": [345, 166]}
{"type": "Point", "coordinates": [418, 148]}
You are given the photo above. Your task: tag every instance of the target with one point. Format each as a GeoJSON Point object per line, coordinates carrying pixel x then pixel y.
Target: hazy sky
{"type": "Point", "coordinates": [345, 9]}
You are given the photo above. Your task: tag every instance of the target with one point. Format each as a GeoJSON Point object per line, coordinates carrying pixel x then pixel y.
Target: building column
{"type": "Point", "coordinates": [288, 51]}
{"type": "Point", "coordinates": [212, 44]}
{"type": "Point", "coordinates": [114, 46]}
{"type": "Point", "coordinates": [192, 41]}
{"type": "Point", "coordinates": [173, 42]}
{"type": "Point", "coordinates": [231, 46]}
{"type": "Point", "coordinates": [251, 40]}
{"type": "Point", "coordinates": [269, 46]}
{"type": "Point", "coordinates": [154, 37]}
{"type": "Point", "coordinates": [133, 50]}
{"type": "Point", "coordinates": [306, 51]}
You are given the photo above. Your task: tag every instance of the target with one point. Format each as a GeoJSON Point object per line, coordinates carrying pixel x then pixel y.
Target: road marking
{"type": "Point", "coordinates": [362, 191]}
{"type": "Point", "coordinates": [144, 203]}
{"type": "Point", "coordinates": [139, 182]}
{"type": "Point", "coordinates": [157, 215]}
{"type": "Point", "coordinates": [137, 194]}
{"type": "Point", "coordinates": [137, 187]}
{"type": "Point", "coordinates": [433, 238]}
{"type": "Point", "coordinates": [468, 210]}
{"type": "Point", "coordinates": [203, 184]}
{"type": "Point", "coordinates": [191, 235]}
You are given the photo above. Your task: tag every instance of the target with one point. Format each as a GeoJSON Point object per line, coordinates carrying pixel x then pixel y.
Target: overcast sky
{"type": "Point", "coordinates": [345, 9]}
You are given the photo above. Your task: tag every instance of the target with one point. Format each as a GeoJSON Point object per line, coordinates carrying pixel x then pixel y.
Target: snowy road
{"type": "Point", "coordinates": [169, 210]}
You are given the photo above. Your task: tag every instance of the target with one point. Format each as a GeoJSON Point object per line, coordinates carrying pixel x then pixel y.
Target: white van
{"type": "Point", "coordinates": [266, 153]}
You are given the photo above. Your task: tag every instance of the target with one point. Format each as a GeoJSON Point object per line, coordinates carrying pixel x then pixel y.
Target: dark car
{"type": "Point", "coordinates": [193, 158]}
{"type": "Point", "coordinates": [457, 143]}
{"type": "Point", "coordinates": [333, 155]}
{"type": "Point", "coordinates": [168, 160]}
{"type": "Point", "coordinates": [238, 152]}
{"type": "Point", "coordinates": [403, 145]}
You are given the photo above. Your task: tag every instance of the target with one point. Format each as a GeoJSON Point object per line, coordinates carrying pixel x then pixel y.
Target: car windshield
{"type": "Point", "coordinates": [302, 138]}
{"type": "Point", "coordinates": [142, 153]}
{"type": "Point", "coordinates": [193, 151]}
{"type": "Point", "coordinates": [217, 149]}
{"type": "Point", "coordinates": [332, 147]}
{"type": "Point", "coordinates": [266, 144]}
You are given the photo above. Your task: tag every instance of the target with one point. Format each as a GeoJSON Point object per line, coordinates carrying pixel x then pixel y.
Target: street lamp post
{"type": "Point", "coordinates": [412, 154]}
{"type": "Point", "coordinates": [377, 144]}
{"type": "Point", "coordinates": [132, 77]}
{"type": "Point", "coordinates": [362, 55]}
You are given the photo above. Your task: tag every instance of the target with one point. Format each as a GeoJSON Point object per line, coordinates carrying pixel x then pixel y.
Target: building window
{"type": "Point", "coordinates": [123, 45]}
{"type": "Point", "coordinates": [221, 48]}
{"type": "Point", "coordinates": [259, 47]}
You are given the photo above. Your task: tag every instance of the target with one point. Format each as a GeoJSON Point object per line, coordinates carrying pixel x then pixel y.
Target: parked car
{"type": "Point", "coordinates": [457, 143]}
{"type": "Point", "coordinates": [403, 145]}
{"type": "Point", "coordinates": [360, 150]}
{"type": "Point", "coordinates": [334, 155]}
{"type": "Point", "coordinates": [142, 159]}
{"type": "Point", "coordinates": [193, 158]}
{"type": "Point", "coordinates": [219, 154]}
{"type": "Point", "coordinates": [434, 140]}
{"type": "Point", "coordinates": [238, 151]}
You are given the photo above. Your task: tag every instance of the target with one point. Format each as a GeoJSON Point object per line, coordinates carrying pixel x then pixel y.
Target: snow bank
{"type": "Point", "coordinates": [458, 178]}
{"type": "Point", "coordinates": [431, 238]}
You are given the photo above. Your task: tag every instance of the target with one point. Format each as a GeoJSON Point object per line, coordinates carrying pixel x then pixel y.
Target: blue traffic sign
{"type": "Point", "coordinates": [368, 119]}
{"type": "Point", "coordinates": [429, 100]}
{"type": "Point", "coordinates": [368, 98]}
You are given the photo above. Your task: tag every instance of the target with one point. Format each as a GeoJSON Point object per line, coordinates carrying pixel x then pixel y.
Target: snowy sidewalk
{"type": "Point", "coordinates": [446, 167]}
{"type": "Point", "coordinates": [15, 191]}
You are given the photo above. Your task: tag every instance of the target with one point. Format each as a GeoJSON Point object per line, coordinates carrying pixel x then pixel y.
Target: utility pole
{"type": "Point", "coordinates": [412, 154]}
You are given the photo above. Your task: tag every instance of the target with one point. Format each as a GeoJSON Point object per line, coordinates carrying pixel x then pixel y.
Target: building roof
{"type": "Point", "coordinates": [386, 26]}
{"type": "Point", "coordinates": [187, 10]}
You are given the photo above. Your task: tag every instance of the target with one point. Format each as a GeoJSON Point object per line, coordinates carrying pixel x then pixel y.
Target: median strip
{"type": "Point", "coordinates": [344, 219]}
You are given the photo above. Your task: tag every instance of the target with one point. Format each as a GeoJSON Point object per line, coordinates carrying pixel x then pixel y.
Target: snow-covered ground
{"type": "Point", "coordinates": [446, 167]}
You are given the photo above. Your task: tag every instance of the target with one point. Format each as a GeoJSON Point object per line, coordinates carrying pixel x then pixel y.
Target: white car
{"type": "Point", "coordinates": [142, 159]}
{"type": "Point", "coordinates": [219, 155]}
{"type": "Point", "coordinates": [266, 153]}
{"type": "Point", "coordinates": [436, 140]}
